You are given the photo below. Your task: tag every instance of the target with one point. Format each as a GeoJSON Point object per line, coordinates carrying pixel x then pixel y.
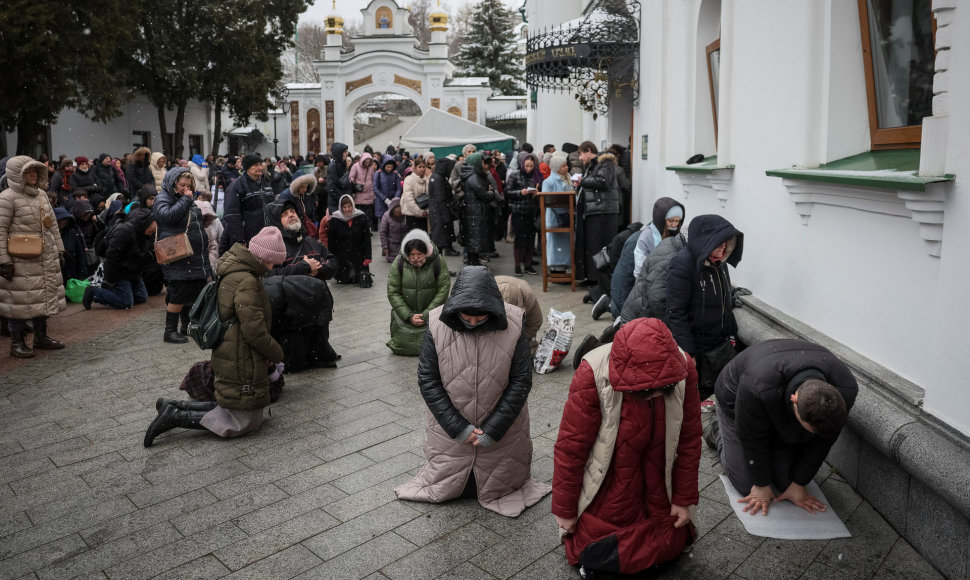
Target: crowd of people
{"type": "Point", "coordinates": [624, 490]}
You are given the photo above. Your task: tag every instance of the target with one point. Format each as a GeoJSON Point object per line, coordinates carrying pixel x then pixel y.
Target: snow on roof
{"type": "Point", "coordinates": [243, 131]}
{"type": "Point", "coordinates": [467, 82]}
{"type": "Point", "coordinates": [509, 98]}
{"type": "Point", "coordinates": [298, 86]}
{"type": "Point", "coordinates": [514, 115]}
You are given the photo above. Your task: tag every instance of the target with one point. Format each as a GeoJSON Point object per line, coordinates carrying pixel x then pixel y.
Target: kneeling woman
{"type": "Point", "coordinates": [418, 283]}
{"type": "Point", "coordinates": [349, 238]}
{"type": "Point", "coordinates": [243, 360]}
{"type": "Point", "coordinates": [475, 375]}
{"type": "Point", "coordinates": [628, 451]}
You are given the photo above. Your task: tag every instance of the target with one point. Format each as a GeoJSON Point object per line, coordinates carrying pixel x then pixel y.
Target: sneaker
{"type": "Point", "coordinates": [88, 298]}
{"type": "Point", "coordinates": [708, 405]}
{"type": "Point", "coordinates": [712, 432]}
{"type": "Point", "coordinates": [602, 305]}
{"type": "Point", "coordinates": [518, 270]}
{"type": "Point", "coordinates": [531, 271]}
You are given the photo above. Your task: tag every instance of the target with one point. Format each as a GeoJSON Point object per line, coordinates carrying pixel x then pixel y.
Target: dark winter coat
{"type": "Point", "coordinates": [84, 181]}
{"type": "Point", "coordinates": [519, 203]}
{"type": "Point", "coordinates": [229, 174]}
{"type": "Point", "coordinates": [241, 361]}
{"type": "Point", "coordinates": [246, 200]}
{"type": "Point", "coordinates": [129, 252]}
{"type": "Point", "coordinates": [600, 193]}
{"type": "Point", "coordinates": [648, 298]}
{"type": "Point", "coordinates": [172, 211]}
{"type": "Point", "coordinates": [60, 185]}
{"type": "Point", "coordinates": [75, 260]}
{"type": "Point", "coordinates": [106, 177]}
{"type": "Point", "coordinates": [477, 195]}
{"type": "Point", "coordinates": [338, 178]}
{"type": "Point", "coordinates": [392, 231]}
{"type": "Point", "coordinates": [281, 181]}
{"type": "Point", "coordinates": [625, 518]}
{"type": "Point", "coordinates": [412, 290]}
{"type": "Point", "coordinates": [387, 185]}
{"type": "Point", "coordinates": [439, 206]}
{"type": "Point", "coordinates": [622, 280]}
{"type": "Point", "coordinates": [699, 304]}
{"type": "Point", "coordinates": [349, 238]}
{"type": "Point", "coordinates": [299, 245]}
{"type": "Point", "coordinates": [481, 378]}
{"type": "Point", "coordinates": [754, 390]}
{"type": "Point", "coordinates": [138, 173]}
{"type": "Point", "coordinates": [89, 228]}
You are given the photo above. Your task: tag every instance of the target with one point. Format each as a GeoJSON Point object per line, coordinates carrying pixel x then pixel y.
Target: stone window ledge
{"type": "Point", "coordinates": [886, 182]}
{"type": "Point", "coordinates": [706, 175]}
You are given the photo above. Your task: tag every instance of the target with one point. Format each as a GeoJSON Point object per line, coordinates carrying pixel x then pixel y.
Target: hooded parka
{"type": "Point", "coordinates": [158, 173]}
{"type": "Point", "coordinates": [648, 298]}
{"type": "Point", "coordinates": [480, 378]}
{"type": "Point", "coordinates": [440, 219]}
{"type": "Point", "coordinates": [349, 237]}
{"type": "Point", "coordinates": [362, 173]}
{"type": "Point", "coordinates": [138, 173]}
{"type": "Point", "coordinates": [338, 178]}
{"type": "Point", "coordinates": [623, 455]}
{"type": "Point", "coordinates": [699, 303]}
{"type": "Point", "coordinates": [107, 177]}
{"type": "Point", "coordinates": [177, 214]}
{"type": "Point", "coordinates": [477, 195]}
{"type": "Point", "coordinates": [36, 289]}
{"type": "Point", "coordinates": [392, 231]}
{"type": "Point", "coordinates": [240, 362]}
{"type": "Point", "coordinates": [75, 259]}
{"type": "Point", "coordinates": [387, 185]}
{"type": "Point", "coordinates": [129, 252]}
{"type": "Point", "coordinates": [414, 290]}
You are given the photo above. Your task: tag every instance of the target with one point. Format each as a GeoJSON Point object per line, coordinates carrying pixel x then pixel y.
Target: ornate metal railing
{"type": "Point", "coordinates": [593, 57]}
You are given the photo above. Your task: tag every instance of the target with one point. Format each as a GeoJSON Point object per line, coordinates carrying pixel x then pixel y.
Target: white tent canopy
{"type": "Point", "coordinates": [437, 128]}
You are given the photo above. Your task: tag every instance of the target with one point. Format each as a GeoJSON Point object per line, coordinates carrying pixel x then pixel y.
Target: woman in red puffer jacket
{"type": "Point", "coordinates": [627, 456]}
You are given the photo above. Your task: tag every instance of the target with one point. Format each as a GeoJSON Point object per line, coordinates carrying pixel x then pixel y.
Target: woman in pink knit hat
{"type": "Point", "coordinates": [247, 356]}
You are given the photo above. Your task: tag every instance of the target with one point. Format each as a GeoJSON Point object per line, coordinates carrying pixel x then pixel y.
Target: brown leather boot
{"type": "Point", "coordinates": [19, 348]}
{"type": "Point", "coordinates": [41, 340]}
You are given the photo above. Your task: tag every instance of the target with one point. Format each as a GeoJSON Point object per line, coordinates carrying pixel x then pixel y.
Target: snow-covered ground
{"type": "Point", "coordinates": [391, 136]}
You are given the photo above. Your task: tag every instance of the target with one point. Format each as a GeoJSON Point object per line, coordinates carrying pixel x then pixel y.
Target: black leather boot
{"type": "Point", "coordinates": [19, 348]}
{"type": "Point", "coordinates": [170, 418]}
{"type": "Point", "coordinates": [184, 318]}
{"type": "Point", "coordinates": [41, 340]}
{"type": "Point", "coordinates": [172, 328]}
{"type": "Point", "coordinates": [162, 402]}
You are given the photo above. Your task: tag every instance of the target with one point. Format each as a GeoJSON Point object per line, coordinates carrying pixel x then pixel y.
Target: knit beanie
{"type": "Point", "coordinates": [568, 148]}
{"type": "Point", "coordinates": [250, 160]}
{"type": "Point", "coordinates": [556, 162]}
{"type": "Point", "coordinates": [267, 246]}
{"type": "Point", "coordinates": [81, 159]}
{"type": "Point", "coordinates": [675, 211]}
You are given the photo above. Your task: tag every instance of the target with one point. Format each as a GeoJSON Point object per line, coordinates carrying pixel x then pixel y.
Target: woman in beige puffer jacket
{"type": "Point", "coordinates": [30, 288]}
{"type": "Point", "coordinates": [157, 165]}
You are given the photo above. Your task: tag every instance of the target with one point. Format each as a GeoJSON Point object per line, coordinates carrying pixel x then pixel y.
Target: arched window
{"type": "Point", "coordinates": [454, 111]}
{"type": "Point", "coordinates": [384, 19]}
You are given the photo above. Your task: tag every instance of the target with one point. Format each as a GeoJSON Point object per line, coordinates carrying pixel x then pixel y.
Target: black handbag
{"type": "Point", "coordinates": [365, 279]}
{"type": "Point", "coordinates": [601, 259]}
{"type": "Point", "coordinates": [358, 187]}
{"type": "Point", "coordinates": [423, 200]}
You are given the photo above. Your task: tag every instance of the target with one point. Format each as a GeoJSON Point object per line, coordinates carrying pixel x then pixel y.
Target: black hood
{"type": "Point", "coordinates": [337, 150]}
{"type": "Point", "coordinates": [444, 166]}
{"type": "Point", "coordinates": [61, 213]}
{"type": "Point", "coordinates": [660, 209]}
{"type": "Point", "coordinates": [475, 290]}
{"type": "Point", "coordinates": [141, 218]}
{"type": "Point", "coordinates": [707, 232]}
{"type": "Point", "coordinates": [273, 213]}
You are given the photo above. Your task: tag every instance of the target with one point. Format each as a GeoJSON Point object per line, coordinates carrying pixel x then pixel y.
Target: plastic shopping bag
{"type": "Point", "coordinates": [556, 342]}
{"type": "Point", "coordinates": [75, 289]}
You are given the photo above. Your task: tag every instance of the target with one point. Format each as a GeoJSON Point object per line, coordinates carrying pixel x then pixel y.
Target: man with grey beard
{"type": "Point", "coordinates": [298, 290]}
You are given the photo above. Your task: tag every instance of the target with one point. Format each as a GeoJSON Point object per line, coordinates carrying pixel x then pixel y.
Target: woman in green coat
{"type": "Point", "coordinates": [418, 283]}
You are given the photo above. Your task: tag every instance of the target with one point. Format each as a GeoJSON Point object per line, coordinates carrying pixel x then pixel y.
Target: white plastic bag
{"type": "Point", "coordinates": [556, 342]}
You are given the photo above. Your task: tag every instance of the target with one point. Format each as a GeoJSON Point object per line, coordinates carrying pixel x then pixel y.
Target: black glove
{"type": "Point", "coordinates": [736, 293]}
{"type": "Point", "coordinates": [6, 271]}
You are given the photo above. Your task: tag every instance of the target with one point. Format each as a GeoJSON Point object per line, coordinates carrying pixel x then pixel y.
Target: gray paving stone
{"type": "Point", "coordinates": [11, 523]}
{"type": "Point", "coordinates": [466, 571]}
{"type": "Point", "coordinates": [108, 554]}
{"type": "Point", "coordinates": [818, 571]}
{"type": "Point", "coordinates": [264, 472]}
{"type": "Point", "coordinates": [41, 556]}
{"type": "Point", "coordinates": [364, 501]}
{"type": "Point", "coordinates": [325, 473]}
{"type": "Point", "coordinates": [204, 568]}
{"type": "Point", "coordinates": [841, 497]}
{"type": "Point", "coordinates": [552, 566]}
{"type": "Point", "coordinates": [286, 564]}
{"type": "Point", "coordinates": [134, 522]}
{"type": "Point", "coordinates": [904, 563]}
{"type": "Point", "coordinates": [170, 488]}
{"type": "Point", "coordinates": [871, 541]}
{"type": "Point", "coordinates": [348, 535]}
{"type": "Point", "coordinates": [445, 518]}
{"type": "Point", "coordinates": [411, 441]}
{"type": "Point", "coordinates": [713, 556]}
{"type": "Point", "coordinates": [520, 550]}
{"type": "Point", "coordinates": [276, 539]}
{"type": "Point", "coordinates": [177, 553]}
{"type": "Point", "coordinates": [289, 508]}
{"type": "Point", "coordinates": [379, 472]}
{"type": "Point", "coordinates": [227, 509]}
{"type": "Point", "coordinates": [363, 560]}
{"type": "Point", "coordinates": [443, 554]}
{"type": "Point", "coordinates": [376, 576]}
{"type": "Point", "coordinates": [733, 528]}
{"type": "Point", "coordinates": [710, 514]}
{"type": "Point", "coordinates": [359, 442]}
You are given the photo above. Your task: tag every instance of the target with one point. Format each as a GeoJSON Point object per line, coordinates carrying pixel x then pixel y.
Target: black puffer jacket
{"type": "Point", "coordinates": [138, 172]}
{"type": "Point", "coordinates": [107, 177]}
{"type": "Point", "coordinates": [299, 245]}
{"type": "Point", "coordinates": [246, 199]}
{"type": "Point", "coordinates": [475, 289]}
{"type": "Point", "coordinates": [519, 204]}
{"type": "Point", "coordinates": [75, 260]}
{"type": "Point", "coordinates": [648, 298]}
{"type": "Point", "coordinates": [338, 178]}
{"type": "Point", "coordinates": [699, 293]}
{"type": "Point", "coordinates": [755, 390]}
{"type": "Point", "coordinates": [474, 184]}
{"type": "Point", "coordinates": [84, 181]}
{"type": "Point", "coordinates": [600, 191]}
{"type": "Point", "coordinates": [439, 207]}
{"type": "Point", "coordinates": [172, 211]}
{"type": "Point", "coordinates": [129, 252]}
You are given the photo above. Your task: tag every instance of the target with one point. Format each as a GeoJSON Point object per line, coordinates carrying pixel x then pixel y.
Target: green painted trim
{"type": "Point", "coordinates": [709, 165]}
{"type": "Point", "coordinates": [891, 169]}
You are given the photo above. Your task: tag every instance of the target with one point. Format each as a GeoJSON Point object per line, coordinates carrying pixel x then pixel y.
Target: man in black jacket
{"type": "Point", "coordinates": [338, 177]}
{"type": "Point", "coordinates": [246, 200]}
{"type": "Point", "coordinates": [128, 254]}
{"type": "Point", "coordinates": [699, 296]}
{"type": "Point", "coordinates": [781, 405]}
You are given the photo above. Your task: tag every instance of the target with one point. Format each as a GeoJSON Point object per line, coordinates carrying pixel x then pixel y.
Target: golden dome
{"type": "Point", "coordinates": [333, 23]}
{"type": "Point", "coordinates": [438, 19]}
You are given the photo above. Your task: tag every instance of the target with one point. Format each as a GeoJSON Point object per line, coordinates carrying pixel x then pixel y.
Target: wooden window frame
{"type": "Point", "coordinates": [909, 137]}
{"type": "Point", "coordinates": [711, 48]}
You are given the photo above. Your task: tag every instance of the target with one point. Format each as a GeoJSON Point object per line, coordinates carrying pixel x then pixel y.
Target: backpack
{"type": "Point", "coordinates": [206, 326]}
{"type": "Point", "coordinates": [101, 240]}
{"type": "Point", "coordinates": [437, 266]}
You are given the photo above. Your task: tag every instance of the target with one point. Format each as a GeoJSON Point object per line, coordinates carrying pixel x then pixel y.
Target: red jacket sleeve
{"type": "Point", "coordinates": [684, 476]}
{"type": "Point", "coordinates": [577, 433]}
